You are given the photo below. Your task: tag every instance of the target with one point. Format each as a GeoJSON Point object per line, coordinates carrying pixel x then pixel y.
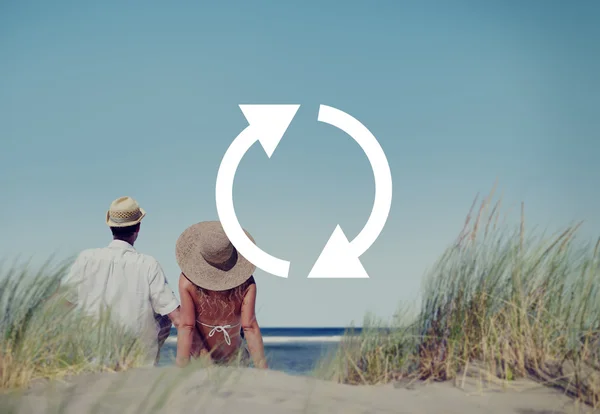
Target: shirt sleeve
{"type": "Point", "coordinates": [162, 298]}
{"type": "Point", "coordinates": [72, 279]}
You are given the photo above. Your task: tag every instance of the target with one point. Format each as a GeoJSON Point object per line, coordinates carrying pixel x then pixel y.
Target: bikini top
{"type": "Point", "coordinates": [220, 328]}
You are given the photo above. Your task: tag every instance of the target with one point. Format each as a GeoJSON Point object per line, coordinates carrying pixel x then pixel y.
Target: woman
{"type": "Point", "coordinates": [218, 296]}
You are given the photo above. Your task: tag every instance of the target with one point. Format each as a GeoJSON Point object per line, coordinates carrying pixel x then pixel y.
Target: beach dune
{"type": "Point", "coordinates": [247, 390]}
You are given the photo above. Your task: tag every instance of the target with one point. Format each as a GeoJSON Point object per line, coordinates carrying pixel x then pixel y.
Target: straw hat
{"type": "Point", "coordinates": [209, 260]}
{"type": "Point", "coordinates": [124, 212]}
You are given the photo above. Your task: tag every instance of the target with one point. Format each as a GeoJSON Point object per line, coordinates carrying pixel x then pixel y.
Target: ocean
{"type": "Point", "coordinates": [292, 350]}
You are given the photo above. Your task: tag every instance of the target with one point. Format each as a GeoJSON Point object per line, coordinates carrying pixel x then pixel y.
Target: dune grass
{"type": "Point", "coordinates": [513, 304]}
{"type": "Point", "coordinates": [509, 302]}
{"type": "Point", "coordinates": [41, 337]}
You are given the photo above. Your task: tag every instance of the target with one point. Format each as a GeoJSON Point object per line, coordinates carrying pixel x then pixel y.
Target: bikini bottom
{"type": "Point", "coordinates": [240, 357]}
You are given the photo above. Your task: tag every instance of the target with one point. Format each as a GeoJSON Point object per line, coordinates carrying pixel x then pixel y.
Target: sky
{"type": "Point", "coordinates": [104, 99]}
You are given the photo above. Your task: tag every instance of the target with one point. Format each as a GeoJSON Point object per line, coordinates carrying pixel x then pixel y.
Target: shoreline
{"type": "Point", "coordinates": [283, 339]}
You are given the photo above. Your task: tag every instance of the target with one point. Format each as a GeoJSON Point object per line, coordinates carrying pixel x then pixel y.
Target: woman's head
{"type": "Point", "coordinates": [209, 260]}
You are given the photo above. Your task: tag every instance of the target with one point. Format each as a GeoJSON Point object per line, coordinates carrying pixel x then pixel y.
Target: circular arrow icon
{"type": "Point", "coordinates": [267, 124]}
{"type": "Point", "coordinates": [340, 258]}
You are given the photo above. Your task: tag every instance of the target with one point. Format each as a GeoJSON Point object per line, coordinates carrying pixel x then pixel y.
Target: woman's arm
{"type": "Point", "coordinates": [251, 329]}
{"type": "Point", "coordinates": [187, 325]}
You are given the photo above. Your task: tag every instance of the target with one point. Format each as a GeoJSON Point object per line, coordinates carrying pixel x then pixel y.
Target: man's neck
{"type": "Point", "coordinates": [130, 241]}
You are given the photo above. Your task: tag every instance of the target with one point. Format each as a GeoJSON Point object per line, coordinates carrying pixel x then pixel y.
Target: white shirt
{"type": "Point", "coordinates": [131, 283]}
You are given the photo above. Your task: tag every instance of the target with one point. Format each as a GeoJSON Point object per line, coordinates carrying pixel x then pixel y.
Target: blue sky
{"type": "Point", "coordinates": [109, 99]}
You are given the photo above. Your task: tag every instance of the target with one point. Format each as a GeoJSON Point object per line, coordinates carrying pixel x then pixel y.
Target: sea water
{"type": "Point", "coordinates": [292, 350]}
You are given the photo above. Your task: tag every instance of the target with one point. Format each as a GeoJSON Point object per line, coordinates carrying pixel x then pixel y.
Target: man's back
{"type": "Point", "coordinates": [131, 284]}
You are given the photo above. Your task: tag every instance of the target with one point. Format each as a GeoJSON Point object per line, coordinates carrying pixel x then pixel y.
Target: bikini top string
{"type": "Point", "coordinates": [220, 328]}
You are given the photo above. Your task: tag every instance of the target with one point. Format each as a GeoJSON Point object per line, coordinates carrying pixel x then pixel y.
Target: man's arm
{"type": "Point", "coordinates": [162, 298]}
{"type": "Point", "coordinates": [175, 317]}
{"type": "Point", "coordinates": [67, 289]}
{"type": "Point", "coordinates": [164, 328]}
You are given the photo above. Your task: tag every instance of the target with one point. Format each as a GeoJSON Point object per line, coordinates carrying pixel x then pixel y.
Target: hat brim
{"type": "Point", "coordinates": [111, 223]}
{"type": "Point", "coordinates": [202, 273]}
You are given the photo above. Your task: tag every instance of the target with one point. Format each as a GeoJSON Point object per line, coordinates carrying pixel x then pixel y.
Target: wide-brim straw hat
{"type": "Point", "coordinates": [124, 212]}
{"type": "Point", "coordinates": [209, 260]}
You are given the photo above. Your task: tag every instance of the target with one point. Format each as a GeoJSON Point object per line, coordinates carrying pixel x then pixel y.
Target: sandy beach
{"type": "Point", "coordinates": [227, 390]}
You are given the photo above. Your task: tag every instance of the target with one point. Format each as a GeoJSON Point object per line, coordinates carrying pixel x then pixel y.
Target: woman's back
{"type": "Point", "coordinates": [218, 296]}
{"type": "Point", "coordinates": [218, 318]}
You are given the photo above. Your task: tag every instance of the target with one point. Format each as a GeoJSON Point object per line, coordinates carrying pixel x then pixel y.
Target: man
{"type": "Point", "coordinates": [132, 284]}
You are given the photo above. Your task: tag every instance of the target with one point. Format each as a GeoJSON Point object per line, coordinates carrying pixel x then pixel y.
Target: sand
{"type": "Point", "coordinates": [250, 391]}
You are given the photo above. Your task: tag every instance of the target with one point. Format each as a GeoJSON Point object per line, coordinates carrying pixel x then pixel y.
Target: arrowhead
{"type": "Point", "coordinates": [269, 122]}
{"type": "Point", "coordinates": [337, 260]}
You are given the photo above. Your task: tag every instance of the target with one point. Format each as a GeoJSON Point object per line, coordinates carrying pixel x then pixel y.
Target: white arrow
{"type": "Point", "coordinates": [340, 258]}
{"type": "Point", "coordinates": [267, 124]}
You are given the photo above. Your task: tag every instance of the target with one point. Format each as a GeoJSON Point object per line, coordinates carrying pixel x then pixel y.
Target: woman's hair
{"type": "Point", "coordinates": [237, 292]}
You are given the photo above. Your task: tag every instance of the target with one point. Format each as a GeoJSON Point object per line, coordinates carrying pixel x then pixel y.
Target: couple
{"type": "Point", "coordinates": [216, 316]}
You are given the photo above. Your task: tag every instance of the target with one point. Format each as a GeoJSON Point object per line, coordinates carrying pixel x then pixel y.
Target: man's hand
{"type": "Point", "coordinates": [164, 325]}
{"type": "Point", "coordinates": [175, 317]}
{"type": "Point", "coordinates": [164, 328]}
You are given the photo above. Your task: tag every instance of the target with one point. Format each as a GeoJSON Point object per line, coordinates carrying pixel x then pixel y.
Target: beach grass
{"type": "Point", "coordinates": [505, 302]}
{"type": "Point", "coordinates": [45, 342]}
{"type": "Point", "coordinates": [43, 338]}
{"type": "Point", "coordinates": [508, 303]}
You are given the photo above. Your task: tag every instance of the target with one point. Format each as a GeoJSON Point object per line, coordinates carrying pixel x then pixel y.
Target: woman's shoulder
{"type": "Point", "coordinates": [246, 285]}
{"type": "Point", "coordinates": [184, 282]}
